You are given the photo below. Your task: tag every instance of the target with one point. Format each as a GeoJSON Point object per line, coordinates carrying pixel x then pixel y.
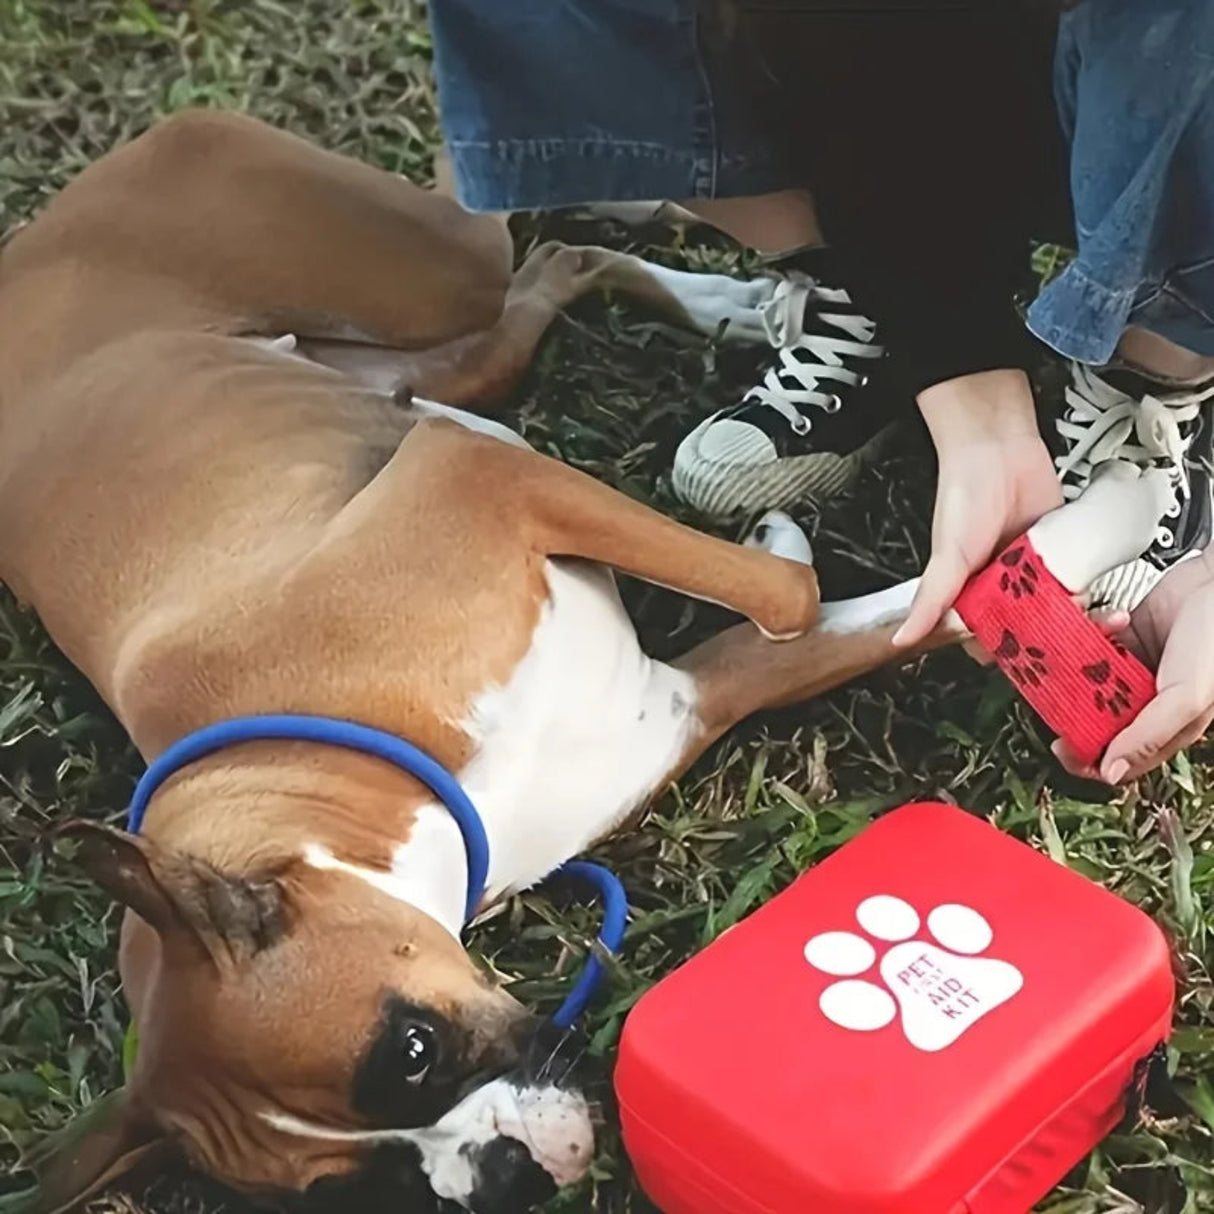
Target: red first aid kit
{"type": "Point", "coordinates": [935, 1020]}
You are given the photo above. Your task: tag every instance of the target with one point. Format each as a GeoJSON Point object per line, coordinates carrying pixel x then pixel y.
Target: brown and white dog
{"type": "Point", "coordinates": [226, 490]}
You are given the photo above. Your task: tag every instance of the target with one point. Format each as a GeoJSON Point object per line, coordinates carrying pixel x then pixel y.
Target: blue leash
{"type": "Point", "coordinates": [300, 728]}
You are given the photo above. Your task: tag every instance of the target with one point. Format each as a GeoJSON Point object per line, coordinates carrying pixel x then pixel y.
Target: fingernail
{"type": "Point", "coordinates": [1118, 771]}
{"type": "Point", "coordinates": [899, 637]}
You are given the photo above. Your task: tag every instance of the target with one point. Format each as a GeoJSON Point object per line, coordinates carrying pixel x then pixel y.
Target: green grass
{"type": "Point", "coordinates": [611, 392]}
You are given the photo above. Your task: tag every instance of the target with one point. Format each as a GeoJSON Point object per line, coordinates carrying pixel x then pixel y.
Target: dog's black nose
{"type": "Point", "coordinates": [509, 1181]}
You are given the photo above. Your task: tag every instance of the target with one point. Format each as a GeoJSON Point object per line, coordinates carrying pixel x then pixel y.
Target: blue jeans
{"type": "Point", "coordinates": [1134, 82]}
{"type": "Point", "coordinates": [551, 103]}
{"type": "Point", "coordinates": [548, 103]}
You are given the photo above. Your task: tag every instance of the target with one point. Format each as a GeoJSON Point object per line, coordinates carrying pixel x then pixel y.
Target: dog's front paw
{"type": "Point", "coordinates": [798, 607]}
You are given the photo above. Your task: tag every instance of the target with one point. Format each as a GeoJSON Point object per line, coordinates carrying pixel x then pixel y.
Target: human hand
{"type": "Point", "coordinates": [996, 479]}
{"type": "Point", "coordinates": [1173, 630]}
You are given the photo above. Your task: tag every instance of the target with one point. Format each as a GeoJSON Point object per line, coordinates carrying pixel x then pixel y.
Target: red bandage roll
{"type": "Point", "coordinates": [1082, 684]}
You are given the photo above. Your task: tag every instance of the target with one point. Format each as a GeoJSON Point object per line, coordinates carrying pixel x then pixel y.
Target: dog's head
{"type": "Point", "coordinates": [312, 1043]}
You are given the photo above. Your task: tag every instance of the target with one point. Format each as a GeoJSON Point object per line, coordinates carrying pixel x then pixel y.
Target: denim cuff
{"type": "Point", "coordinates": [543, 174]}
{"type": "Point", "coordinates": [1083, 320]}
{"type": "Point", "coordinates": [1079, 317]}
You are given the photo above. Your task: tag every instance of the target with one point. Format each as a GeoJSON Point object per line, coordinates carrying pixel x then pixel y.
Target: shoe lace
{"type": "Point", "coordinates": [793, 382]}
{"type": "Point", "coordinates": [1103, 423]}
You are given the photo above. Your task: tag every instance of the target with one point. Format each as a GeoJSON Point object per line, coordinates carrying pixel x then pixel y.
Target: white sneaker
{"type": "Point", "coordinates": [1119, 414]}
{"type": "Point", "coordinates": [808, 427]}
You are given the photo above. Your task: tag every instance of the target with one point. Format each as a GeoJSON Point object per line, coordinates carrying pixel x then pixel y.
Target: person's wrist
{"type": "Point", "coordinates": [990, 406]}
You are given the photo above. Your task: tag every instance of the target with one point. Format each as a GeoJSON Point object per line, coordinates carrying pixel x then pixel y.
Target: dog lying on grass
{"type": "Point", "coordinates": [246, 467]}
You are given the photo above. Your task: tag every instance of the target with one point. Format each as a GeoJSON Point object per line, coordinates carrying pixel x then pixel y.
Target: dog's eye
{"type": "Point", "coordinates": [419, 1048]}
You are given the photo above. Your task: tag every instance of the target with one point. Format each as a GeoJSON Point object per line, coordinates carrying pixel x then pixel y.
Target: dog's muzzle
{"type": "Point", "coordinates": [516, 1138]}
{"type": "Point", "coordinates": [546, 1137]}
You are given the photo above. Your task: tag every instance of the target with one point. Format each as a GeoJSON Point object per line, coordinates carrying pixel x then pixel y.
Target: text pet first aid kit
{"type": "Point", "coordinates": [935, 1020]}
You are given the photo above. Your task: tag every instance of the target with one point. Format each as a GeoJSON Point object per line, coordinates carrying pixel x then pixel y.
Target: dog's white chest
{"type": "Point", "coordinates": [582, 733]}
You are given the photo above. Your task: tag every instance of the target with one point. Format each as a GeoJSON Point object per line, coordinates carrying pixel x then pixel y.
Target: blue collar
{"type": "Point", "coordinates": [406, 756]}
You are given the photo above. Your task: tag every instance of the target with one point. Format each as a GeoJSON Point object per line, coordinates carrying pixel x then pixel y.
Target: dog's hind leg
{"type": "Point", "coordinates": [477, 371]}
{"type": "Point", "coordinates": [736, 308]}
{"type": "Point", "coordinates": [278, 236]}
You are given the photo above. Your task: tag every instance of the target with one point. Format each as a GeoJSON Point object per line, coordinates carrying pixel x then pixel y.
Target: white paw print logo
{"type": "Point", "coordinates": [941, 992]}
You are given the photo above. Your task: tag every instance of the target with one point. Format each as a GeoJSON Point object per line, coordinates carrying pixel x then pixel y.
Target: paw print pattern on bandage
{"type": "Point", "coordinates": [1111, 693]}
{"type": "Point", "coordinates": [1024, 663]}
{"type": "Point", "coordinates": [1020, 574]}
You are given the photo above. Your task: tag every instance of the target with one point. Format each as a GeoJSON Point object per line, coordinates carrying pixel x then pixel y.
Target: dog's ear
{"type": "Point", "coordinates": [107, 1141]}
{"type": "Point", "coordinates": [183, 898]}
